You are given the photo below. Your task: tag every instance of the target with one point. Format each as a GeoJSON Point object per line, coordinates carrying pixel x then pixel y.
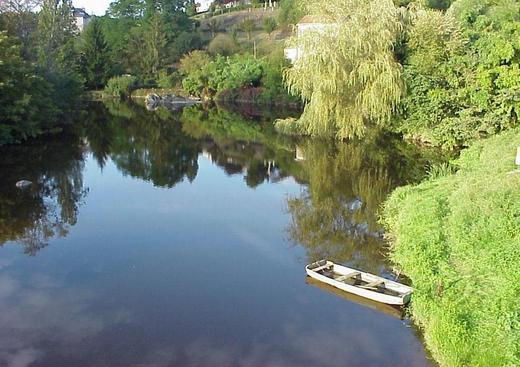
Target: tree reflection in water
{"type": "Point", "coordinates": [142, 144]}
{"type": "Point", "coordinates": [336, 216]}
{"type": "Point", "coordinates": [47, 208]}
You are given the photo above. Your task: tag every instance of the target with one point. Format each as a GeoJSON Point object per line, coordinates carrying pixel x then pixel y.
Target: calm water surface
{"type": "Point", "coordinates": [180, 239]}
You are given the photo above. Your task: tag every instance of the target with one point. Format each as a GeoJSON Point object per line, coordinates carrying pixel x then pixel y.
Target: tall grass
{"type": "Point", "coordinates": [457, 236]}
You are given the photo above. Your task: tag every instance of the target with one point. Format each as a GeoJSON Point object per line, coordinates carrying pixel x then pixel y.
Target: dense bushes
{"type": "Point", "coordinates": [121, 86]}
{"type": "Point", "coordinates": [461, 70]}
{"type": "Point", "coordinates": [236, 78]}
{"type": "Point", "coordinates": [223, 73]}
{"type": "Point", "coordinates": [26, 107]}
{"type": "Point", "coordinates": [459, 61]}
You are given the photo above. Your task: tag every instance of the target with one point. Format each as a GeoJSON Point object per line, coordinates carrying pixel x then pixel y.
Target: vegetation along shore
{"type": "Point", "coordinates": [441, 73]}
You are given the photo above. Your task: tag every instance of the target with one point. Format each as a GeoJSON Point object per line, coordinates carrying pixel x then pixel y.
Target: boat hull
{"type": "Point", "coordinates": [398, 300]}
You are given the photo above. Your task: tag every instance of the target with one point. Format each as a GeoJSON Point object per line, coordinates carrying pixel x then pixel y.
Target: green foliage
{"type": "Point", "coordinates": [214, 27]}
{"type": "Point", "coordinates": [222, 45]}
{"type": "Point", "coordinates": [95, 56]}
{"type": "Point", "coordinates": [224, 73]}
{"type": "Point", "coordinates": [269, 25]}
{"type": "Point", "coordinates": [56, 29]}
{"type": "Point", "coordinates": [121, 86]}
{"type": "Point", "coordinates": [272, 78]}
{"type": "Point", "coordinates": [58, 59]}
{"type": "Point", "coordinates": [154, 45]}
{"type": "Point", "coordinates": [346, 72]}
{"type": "Point", "coordinates": [457, 237]}
{"type": "Point", "coordinates": [146, 35]}
{"type": "Point", "coordinates": [19, 20]}
{"type": "Point", "coordinates": [290, 12]}
{"type": "Point", "coordinates": [184, 43]}
{"type": "Point", "coordinates": [461, 71]}
{"type": "Point", "coordinates": [26, 109]}
{"type": "Point", "coordinates": [248, 26]}
{"type": "Point", "coordinates": [241, 77]}
{"type": "Point", "coordinates": [193, 62]}
{"type": "Point", "coordinates": [167, 80]}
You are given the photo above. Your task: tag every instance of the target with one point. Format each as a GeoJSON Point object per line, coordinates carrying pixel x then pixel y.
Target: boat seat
{"type": "Point", "coordinates": [347, 276]}
{"type": "Point", "coordinates": [373, 284]}
{"type": "Point", "coordinates": [323, 267]}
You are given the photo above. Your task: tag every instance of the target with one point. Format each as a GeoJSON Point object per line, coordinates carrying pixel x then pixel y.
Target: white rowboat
{"type": "Point", "coordinates": [362, 284]}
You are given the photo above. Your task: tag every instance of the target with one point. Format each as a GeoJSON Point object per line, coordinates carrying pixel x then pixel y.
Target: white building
{"type": "Point", "coordinates": [307, 24]}
{"type": "Point", "coordinates": [82, 18]}
{"type": "Point", "coordinates": [203, 5]}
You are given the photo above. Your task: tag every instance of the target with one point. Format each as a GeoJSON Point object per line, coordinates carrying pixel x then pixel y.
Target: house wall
{"type": "Point", "coordinates": [81, 23]}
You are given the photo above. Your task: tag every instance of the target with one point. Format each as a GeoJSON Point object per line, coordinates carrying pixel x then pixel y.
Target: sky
{"type": "Point", "coordinates": [97, 7]}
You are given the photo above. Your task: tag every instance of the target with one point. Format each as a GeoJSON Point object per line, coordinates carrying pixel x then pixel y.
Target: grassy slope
{"type": "Point", "coordinates": [458, 238]}
{"type": "Point", "coordinates": [234, 19]}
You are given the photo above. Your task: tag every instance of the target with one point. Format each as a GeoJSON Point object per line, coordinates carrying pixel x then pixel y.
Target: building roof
{"type": "Point", "coordinates": [80, 13]}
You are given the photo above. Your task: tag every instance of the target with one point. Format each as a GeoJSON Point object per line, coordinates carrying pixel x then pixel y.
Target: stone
{"type": "Point", "coordinates": [22, 184]}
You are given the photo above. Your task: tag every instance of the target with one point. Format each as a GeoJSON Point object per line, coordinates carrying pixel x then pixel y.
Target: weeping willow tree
{"type": "Point", "coordinates": [346, 72]}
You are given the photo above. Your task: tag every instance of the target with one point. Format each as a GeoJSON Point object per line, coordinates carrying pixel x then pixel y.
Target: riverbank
{"type": "Point", "coordinates": [457, 236]}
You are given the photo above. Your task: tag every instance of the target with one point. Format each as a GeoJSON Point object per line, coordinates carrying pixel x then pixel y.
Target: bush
{"type": "Point", "coordinates": [222, 45]}
{"type": "Point", "coordinates": [167, 80]}
{"type": "Point", "coordinates": [224, 73]}
{"type": "Point", "coordinates": [184, 43]}
{"type": "Point", "coordinates": [121, 86]}
{"type": "Point", "coordinates": [193, 62]}
{"type": "Point", "coordinates": [27, 108]}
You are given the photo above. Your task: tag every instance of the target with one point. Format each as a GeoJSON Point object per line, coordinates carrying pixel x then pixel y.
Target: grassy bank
{"type": "Point", "coordinates": [457, 236]}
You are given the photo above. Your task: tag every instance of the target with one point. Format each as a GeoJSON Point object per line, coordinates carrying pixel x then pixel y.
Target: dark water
{"type": "Point", "coordinates": [180, 239]}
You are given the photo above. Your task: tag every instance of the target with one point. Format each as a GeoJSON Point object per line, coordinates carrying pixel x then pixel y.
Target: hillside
{"type": "Point", "coordinates": [230, 21]}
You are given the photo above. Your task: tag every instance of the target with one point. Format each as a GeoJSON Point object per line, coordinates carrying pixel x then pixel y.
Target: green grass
{"type": "Point", "coordinates": [457, 236]}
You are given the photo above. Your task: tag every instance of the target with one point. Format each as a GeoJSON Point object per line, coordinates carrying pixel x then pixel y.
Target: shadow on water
{"type": "Point", "coordinates": [49, 207]}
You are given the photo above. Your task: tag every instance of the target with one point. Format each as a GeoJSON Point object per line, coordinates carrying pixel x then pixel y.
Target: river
{"type": "Point", "coordinates": [159, 238]}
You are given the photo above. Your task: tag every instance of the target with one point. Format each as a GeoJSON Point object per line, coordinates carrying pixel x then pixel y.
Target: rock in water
{"type": "Point", "coordinates": [22, 184]}
{"type": "Point", "coordinates": [153, 101]}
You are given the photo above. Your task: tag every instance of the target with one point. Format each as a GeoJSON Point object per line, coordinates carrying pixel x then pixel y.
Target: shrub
{"type": "Point", "coordinates": [184, 43]}
{"type": "Point", "coordinates": [167, 80]}
{"type": "Point", "coordinates": [222, 45]}
{"type": "Point", "coordinates": [194, 61]}
{"type": "Point", "coordinates": [269, 25]}
{"type": "Point", "coordinates": [121, 86]}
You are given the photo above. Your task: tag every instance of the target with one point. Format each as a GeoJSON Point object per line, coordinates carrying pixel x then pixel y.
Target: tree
{"type": "Point", "coordinates": [213, 27]}
{"type": "Point", "coordinates": [290, 12]}
{"type": "Point", "coordinates": [133, 9]}
{"type": "Point", "coordinates": [248, 26]}
{"type": "Point", "coordinates": [56, 28]}
{"type": "Point", "coordinates": [25, 107]}
{"type": "Point", "coordinates": [95, 56]}
{"type": "Point", "coordinates": [57, 56]}
{"type": "Point", "coordinates": [347, 73]}
{"type": "Point", "coordinates": [154, 45]}
{"type": "Point", "coordinates": [184, 43]}
{"type": "Point", "coordinates": [20, 21]}
{"type": "Point", "coordinates": [461, 71]}
{"type": "Point", "coordinates": [269, 25]}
